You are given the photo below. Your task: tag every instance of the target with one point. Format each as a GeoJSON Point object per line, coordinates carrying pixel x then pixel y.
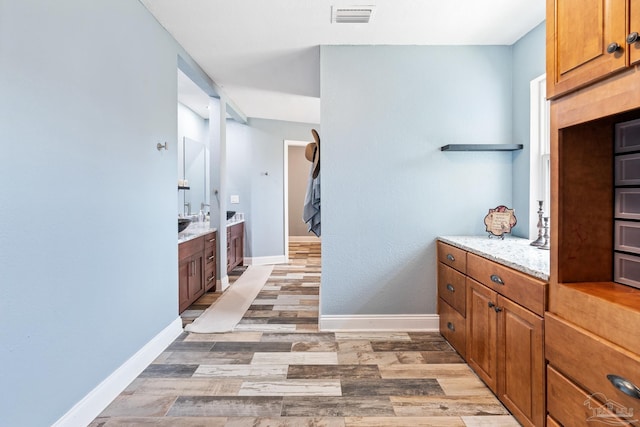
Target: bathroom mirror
{"type": "Point", "coordinates": [194, 169]}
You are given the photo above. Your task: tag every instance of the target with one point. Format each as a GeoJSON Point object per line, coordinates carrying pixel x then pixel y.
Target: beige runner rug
{"type": "Point", "coordinates": [227, 311]}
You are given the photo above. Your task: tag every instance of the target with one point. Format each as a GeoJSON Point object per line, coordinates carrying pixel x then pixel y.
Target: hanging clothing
{"type": "Point", "coordinates": [311, 209]}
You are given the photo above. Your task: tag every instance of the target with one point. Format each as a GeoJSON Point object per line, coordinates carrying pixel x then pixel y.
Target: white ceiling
{"type": "Point", "coordinates": [265, 53]}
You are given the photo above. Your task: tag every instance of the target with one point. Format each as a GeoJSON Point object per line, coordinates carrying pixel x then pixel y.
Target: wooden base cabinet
{"type": "Point", "coordinates": [235, 246]}
{"type": "Point", "coordinates": [196, 269]}
{"type": "Point", "coordinates": [503, 336]}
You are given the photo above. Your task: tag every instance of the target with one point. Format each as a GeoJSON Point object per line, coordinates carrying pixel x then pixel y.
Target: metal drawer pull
{"type": "Point", "coordinates": [450, 287]}
{"type": "Point", "coordinates": [211, 257]}
{"type": "Point", "coordinates": [491, 304]}
{"type": "Point", "coordinates": [212, 240]}
{"type": "Point", "coordinates": [496, 279]}
{"type": "Point", "coordinates": [211, 278]}
{"type": "Point", "coordinates": [451, 257]}
{"type": "Point", "coordinates": [624, 385]}
{"type": "Point", "coordinates": [451, 326]}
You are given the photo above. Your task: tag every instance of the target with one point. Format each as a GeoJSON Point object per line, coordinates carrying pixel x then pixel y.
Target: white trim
{"type": "Point", "coordinates": [383, 322]}
{"type": "Point", "coordinates": [305, 239]}
{"type": "Point", "coordinates": [538, 127]}
{"type": "Point", "coordinates": [90, 406]}
{"type": "Point", "coordinates": [265, 260]}
{"type": "Point", "coordinates": [285, 206]}
{"type": "Point", "coordinates": [222, 284]}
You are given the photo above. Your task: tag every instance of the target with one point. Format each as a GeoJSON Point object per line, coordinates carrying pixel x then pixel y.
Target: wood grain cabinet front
{"type": "Point", "coordinates": [196, 269]}
{"type": "Point", "coordinates": [190, 272]}
{"type": "Point", "coordinates": [502, 339]}
{"type": "Point", "coordinates": [588, 40]}
{"type": "Point", "coordinates": [605, 371]}
{"type": "Point", "coordinates": [209, 261]}
{"type": "Point", "coordinates": [235, 245]}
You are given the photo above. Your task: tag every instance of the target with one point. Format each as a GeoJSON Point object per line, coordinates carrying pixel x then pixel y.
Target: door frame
{"type": "Point", "coordinates": [286, 144]}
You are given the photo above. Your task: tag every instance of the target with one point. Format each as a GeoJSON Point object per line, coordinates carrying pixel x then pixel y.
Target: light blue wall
{"type": "Point", "coordinates": [265, 224]}
{"type": "Point", "coordinates": [528, 63]}
{"type": "Point", "coordinates": [387, 189]}
{"type": "Point", "coordinates": [87, 220]}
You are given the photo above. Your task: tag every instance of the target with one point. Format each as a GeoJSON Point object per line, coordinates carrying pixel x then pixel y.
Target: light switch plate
{"type": "Point", "coordinates": [235, 198]}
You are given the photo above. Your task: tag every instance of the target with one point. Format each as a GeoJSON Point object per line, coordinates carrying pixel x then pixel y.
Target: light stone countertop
{"type": "Point", "coordinates": [197, 229]}
{"type": "Point", "coordinates": [513, 252]}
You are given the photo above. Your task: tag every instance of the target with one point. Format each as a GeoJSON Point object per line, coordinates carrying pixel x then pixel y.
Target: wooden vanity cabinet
{"type": "Point", "coordinates": [587, 40]}
{"type": "Point", "coordinates": [504, 328]}
{"type": "Point", "coordinates": [235, 245]}
{"type": "Point", "coordinates": [210, 263]}
{"type": "Point", "coordinates": [196, 269]}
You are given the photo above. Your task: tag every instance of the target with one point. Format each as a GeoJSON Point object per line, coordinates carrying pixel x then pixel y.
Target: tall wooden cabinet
{"type": "Point", "coordinates": [587, 40]}
{"type": "Point", "coordinates": [592, 337]}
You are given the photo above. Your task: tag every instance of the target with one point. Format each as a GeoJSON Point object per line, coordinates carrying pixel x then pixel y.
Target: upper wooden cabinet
{"type": "Point", "coordinates": [587, 40]}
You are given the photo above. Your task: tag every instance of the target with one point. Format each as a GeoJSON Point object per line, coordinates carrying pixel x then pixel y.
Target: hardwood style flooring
{"type": "Point", "coordinates": [276, 369]}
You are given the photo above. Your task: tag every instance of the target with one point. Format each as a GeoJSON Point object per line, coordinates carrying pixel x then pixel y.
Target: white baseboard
{"type": "Point", "coordinates": [372, 323]}
{"type": "Point", "coordinates": [100, 397]}
{"type": "Point", "coordinates": [305, 239]}
{"type": "Point", "coordinates": [266, 260]}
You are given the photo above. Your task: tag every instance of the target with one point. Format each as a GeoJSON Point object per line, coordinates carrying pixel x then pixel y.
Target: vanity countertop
{"type": "Point", "coordinates": [512, 252]}
{"type": "Point", "coordinates": [197, 229]}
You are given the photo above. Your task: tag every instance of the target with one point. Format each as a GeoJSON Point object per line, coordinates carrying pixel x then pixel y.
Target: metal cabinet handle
{"type": "Point", "coordinates": [212, 240]}
{"type": "Point", "coordinates": [491, 304]}
{"type": "Point", "coordinates": [451, 326]}
{"type": "Point", "coordinates": [624, 385]}
{"type": "Point", "coordinates": [497, 279]}
{"type": "Point", "coordinates": [613, 47]}
{"type": "Point", "coordinates": [211, 278]}
{"type": "Point", "coordinates": [212, 257]}
{"type": "Point", "coordinates": [497, 309]}
{"type": "Point", "coordinates": [450, 287]}
{"type": "Point", "coordinates": [633, 37]}
{"type": "Point", "coordinates": [451, 257]}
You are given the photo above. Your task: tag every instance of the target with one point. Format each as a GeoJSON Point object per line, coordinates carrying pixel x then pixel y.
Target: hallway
{"type": "Point", "coordinates": [277, 369]}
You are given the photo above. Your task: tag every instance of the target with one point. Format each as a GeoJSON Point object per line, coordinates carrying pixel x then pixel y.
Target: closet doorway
{"type": "Point", "coordinates": [296, 175]}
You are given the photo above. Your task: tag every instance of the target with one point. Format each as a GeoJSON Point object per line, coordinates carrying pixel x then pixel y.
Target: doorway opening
{"type": "Point", "coordinates": [296, 175]}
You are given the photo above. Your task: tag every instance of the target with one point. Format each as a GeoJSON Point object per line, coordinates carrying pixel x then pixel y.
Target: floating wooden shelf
{"type": "Point", "coordinates": [481, 147]}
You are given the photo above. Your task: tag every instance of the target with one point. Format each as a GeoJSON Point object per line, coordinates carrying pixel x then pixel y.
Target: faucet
{"type": "Point", "coordinates": [188, 206]}
{"type": "Point", "coordinates": [203, 204]}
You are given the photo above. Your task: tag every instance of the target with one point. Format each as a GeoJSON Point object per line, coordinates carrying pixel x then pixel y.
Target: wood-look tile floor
{"type": "Point", "coordinates": [276, 369]}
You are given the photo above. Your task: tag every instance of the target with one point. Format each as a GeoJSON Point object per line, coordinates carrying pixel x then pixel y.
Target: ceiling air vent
{"type": "Point", "coordinates": [352, 14]}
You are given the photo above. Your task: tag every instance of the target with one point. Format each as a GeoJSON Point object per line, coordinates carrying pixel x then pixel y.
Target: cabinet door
{"type": "Point", "coordinates": [481, 329]}
{"type": "Point", "coordinates": [184, 268]}
{"type": "Point", "coordinates": [196, 283]}
{"type": "Point", "coordinates": [521, 362]}
{"type": "Point", "coordinates": [634, 27]}
{"type": "Point", "coordinates": [579, 32]}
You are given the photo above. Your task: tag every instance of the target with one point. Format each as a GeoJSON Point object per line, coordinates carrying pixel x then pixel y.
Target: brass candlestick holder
{"type": "Point", "coordinates": [540, 240]}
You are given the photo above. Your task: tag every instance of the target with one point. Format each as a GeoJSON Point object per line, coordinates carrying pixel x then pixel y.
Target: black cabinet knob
{"type": "Point", "coordinates": [613, 47]}
{"type": "Point", "coordinates": [632, 38]}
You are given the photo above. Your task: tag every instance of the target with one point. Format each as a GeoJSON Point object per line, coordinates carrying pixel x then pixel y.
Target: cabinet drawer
{"type": "Point", "coordinates": [573, 406]}
{"type": "Point", "coordinates": [451, 287]}
{"type": "Point", "coordinates": [209, 278]}
{"type": "Point", "coordinates": [519, 287]}
{"type": "Point", "coordinates": [190, 247]}
{"type": "Point", "coordinates": [452, 256]}
{"type": "Point", "coordinates": [210, 240]}
{"type": "Point", "coordinates": [209, 256]}
{"type": "Point", "coordinates": [590, 361]}
{"type": "Point", "coordinates": [452, 326]}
